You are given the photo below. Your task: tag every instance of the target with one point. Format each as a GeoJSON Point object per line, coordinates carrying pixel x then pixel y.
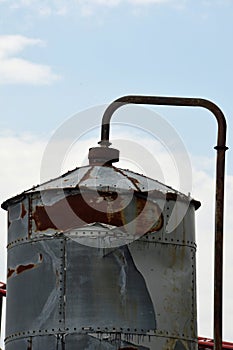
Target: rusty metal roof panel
{"type": "Point", "coordinates": [70, 179]}
{"type": "Point", "coordinates": [89, 177]}
{"type": "Point", "coordinates": [144, 183]}
{"type": "Point", "coordinates": [100, 177]}
{"type": "Point", "coordinates": [108, 177]}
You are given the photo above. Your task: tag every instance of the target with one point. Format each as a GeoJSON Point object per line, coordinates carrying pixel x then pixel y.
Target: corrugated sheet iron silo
{"type": "Point", "coordinates": [91, 264]}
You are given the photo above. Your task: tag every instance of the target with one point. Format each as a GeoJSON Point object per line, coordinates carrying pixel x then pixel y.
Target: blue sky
{"type": "Point", "coordinates": [58, 58]}
{"type": "Point", "coordinates": [143, 47]}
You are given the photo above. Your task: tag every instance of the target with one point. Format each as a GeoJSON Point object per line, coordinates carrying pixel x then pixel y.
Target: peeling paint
{"type": "Point", "coordinates": [22, 268]}
{"type": "Point", "coordinates": [75, 211]}
{"type": "Point", "coordinates": [10, 272]}
{"type": "Point", "coordinates": [23, 210]}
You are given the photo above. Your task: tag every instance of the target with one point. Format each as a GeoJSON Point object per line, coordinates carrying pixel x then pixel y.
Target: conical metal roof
{"type": "Point", "coordinates": [105, 178]}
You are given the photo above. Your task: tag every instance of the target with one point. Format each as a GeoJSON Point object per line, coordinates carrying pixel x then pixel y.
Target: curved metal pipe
{"type": "Point", "coordinates": [220, 175]}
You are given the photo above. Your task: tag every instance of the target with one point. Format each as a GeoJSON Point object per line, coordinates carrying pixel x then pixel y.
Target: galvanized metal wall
{"type": "Point", "coordinates": [62, 294]}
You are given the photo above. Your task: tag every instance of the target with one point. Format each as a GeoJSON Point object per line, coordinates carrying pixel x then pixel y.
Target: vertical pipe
{"type": "Point", "coordinates": [220, 175]}
{"type": "Point", "coordinates": [218, 262]}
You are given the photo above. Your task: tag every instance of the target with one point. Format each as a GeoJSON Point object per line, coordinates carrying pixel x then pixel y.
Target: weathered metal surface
{"type": "Point", "coordinates": [35, 287]}
{"type": "Point", "coordinates": [18, 221]}
{"type": "Point", "coordinates": [105, 207]}
{"type": "Point", "coordinates": [119, 302]}
{"type": "Point", "coordinates": [46, 342]}
{"type": "Point", "coordinates": [102, 178]}
{"type": "Point", "coordinates": [65, 289]}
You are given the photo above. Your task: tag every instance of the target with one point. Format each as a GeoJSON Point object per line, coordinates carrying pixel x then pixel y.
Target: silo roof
{"type": "Point", "coordinates": [107, 178]}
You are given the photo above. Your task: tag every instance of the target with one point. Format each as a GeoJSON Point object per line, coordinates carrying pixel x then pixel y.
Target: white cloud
{"type": "Point", "coordinates": [12, 44]}
{"type": "Point", "coordinates": [19, 71]}
{"type": "Point", "coordinates": [15, 70]}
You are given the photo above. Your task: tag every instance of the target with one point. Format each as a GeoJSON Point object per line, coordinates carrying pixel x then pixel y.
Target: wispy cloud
{"type": "Point", "coordinates": [15, 70]}
{"type": "Point", "coordinates": [12, 44]}
{"type": "Point", "coordinates": [84, 7]}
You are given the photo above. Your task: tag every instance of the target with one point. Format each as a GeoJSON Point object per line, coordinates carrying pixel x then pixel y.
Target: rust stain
{"type": "Point", "coordinates": [108, 207]}
{"type": "Point", "coordinates": [135, 182]}
{"type": "Point", "coordinates": [86, 176]}
{"type": "Point", "coordinates": [22, 268]}
{"type": "Point", "coordinates": [132, 179]}
{"type": "Point", "coordinates": [10, 272]}
{"type": "Point", "coordinates": [8, 220]}
{"type": "Point", "coordinates": [29, 347]}
{"type": "Point", "coordinates": [108, 195]}
{"type": "Point", "coordinates": [30, 217]}
{"type": "Point", "coordinates": [23, 210]}
{"type": "Point", "coordinates": [57, 278]}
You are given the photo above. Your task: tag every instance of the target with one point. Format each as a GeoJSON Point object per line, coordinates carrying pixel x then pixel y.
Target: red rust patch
{"type": "Point", "coordinates": [76, 210]}
{"type": "Point", "coordinates": [10, 272]}
{"type": "Point", "coordinates": [135, 182]}
{"type": "Point", "coordinates": [22, 268]}
{"type": "Point", "coordinates": [23, 210]}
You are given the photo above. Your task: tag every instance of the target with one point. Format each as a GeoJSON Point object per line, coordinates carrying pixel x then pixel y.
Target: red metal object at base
{"type": "Point", "coordinates": [206, 343]}
{"type": "Point", "coordinates": [2, 289]}
{"type": "Point", "coordinates": [2, 294]}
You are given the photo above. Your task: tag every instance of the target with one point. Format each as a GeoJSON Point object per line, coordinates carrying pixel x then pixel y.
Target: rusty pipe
{"type": "Point", "coordinates": [220, 175]}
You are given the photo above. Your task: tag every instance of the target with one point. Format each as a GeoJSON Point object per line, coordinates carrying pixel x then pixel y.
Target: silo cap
{"type": "Point", "coordinates": [103, 155]}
